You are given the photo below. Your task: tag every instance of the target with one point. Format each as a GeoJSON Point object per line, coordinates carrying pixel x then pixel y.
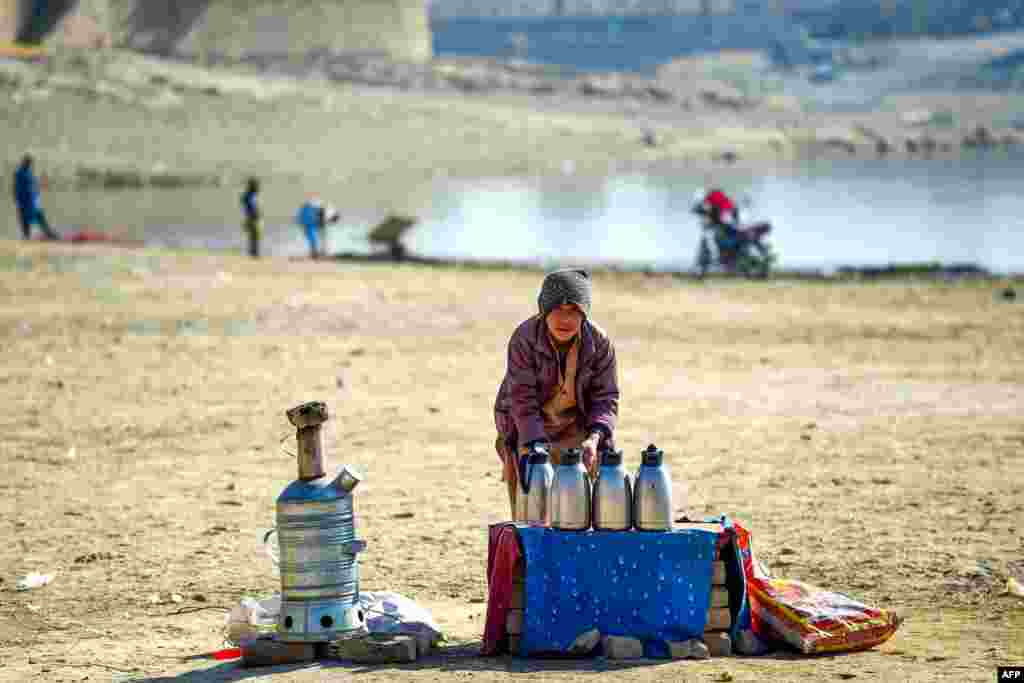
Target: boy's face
{"type": "Point", "coordinates": [564, 322]}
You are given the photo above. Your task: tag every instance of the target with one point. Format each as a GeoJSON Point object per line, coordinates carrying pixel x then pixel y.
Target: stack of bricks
{"type": "Point", "coordinates": [371, 648]}
{"type": "Point", "coordinates": [719, 621]}
{"type": "Point", "coordinates": [514, 619]}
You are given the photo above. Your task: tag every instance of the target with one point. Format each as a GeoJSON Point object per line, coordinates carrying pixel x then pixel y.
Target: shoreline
{"type": "Point", "coordinates": [910, 270]}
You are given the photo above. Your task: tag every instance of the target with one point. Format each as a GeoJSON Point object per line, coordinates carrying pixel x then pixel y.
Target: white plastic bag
{"type": "Point", "coordinates": [252, 619]}
{"type": "Point", "coordinates": [394, 613]}
{"type": "Point", "coordinates": [385, 612]}
{"type": "Point", "coordinates": [33, 580]}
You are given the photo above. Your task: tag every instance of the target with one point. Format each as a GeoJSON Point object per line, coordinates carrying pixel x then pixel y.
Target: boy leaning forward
{"type": "Point", "coordinates": [560, 386]}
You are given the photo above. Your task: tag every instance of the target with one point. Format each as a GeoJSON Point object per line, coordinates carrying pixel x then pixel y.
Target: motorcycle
{"type": "Point", "coordinates": [742, 251]}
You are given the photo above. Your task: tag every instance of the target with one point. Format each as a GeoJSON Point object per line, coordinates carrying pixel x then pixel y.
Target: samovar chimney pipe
{"type": "Point", "coordinates": [308, 419]}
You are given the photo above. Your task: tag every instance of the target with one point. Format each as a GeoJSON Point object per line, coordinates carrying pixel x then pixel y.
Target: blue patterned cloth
{"type": "Point", "coordinates": [654, 586]}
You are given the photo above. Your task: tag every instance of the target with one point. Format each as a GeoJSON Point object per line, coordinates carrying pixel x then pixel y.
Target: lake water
{"type": "Point", "coordinates": [637, 43]}
{"type": "Point", "coordinates": [826, 214]}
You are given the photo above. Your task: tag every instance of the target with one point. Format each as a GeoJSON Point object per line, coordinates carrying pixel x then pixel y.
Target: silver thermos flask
{"type": "Point", "coordinates": [533, 504]}
{"type": "Point", "coordinates": [652, 492]}
{"type": "Point", "coordinates": [570, 494]}
{"type": "Point", "coordinates": [613, 494]}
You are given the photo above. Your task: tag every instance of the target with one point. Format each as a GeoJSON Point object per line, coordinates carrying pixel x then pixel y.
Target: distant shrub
{"type": "Point", "coordinates": [943, 119]}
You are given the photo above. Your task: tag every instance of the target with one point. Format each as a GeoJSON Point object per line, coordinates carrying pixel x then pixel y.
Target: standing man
{"type": "Point", "coordinates": [26, 197]}
{"type": "Point", "coordinates": [310, 217]}
{"type": "Point", "coordinates": [314, 216]}
{"type": "Point", "coordinates": [252, 219]}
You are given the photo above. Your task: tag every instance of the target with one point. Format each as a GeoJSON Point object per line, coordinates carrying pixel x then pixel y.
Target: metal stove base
{"type": "Point", "coordinates": [320, 621]}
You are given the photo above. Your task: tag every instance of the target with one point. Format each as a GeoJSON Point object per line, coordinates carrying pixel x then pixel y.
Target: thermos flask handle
{"type": "Point", "coordinates": [524, 474]}
{"type": "Point", "coordinates": [271, 549]}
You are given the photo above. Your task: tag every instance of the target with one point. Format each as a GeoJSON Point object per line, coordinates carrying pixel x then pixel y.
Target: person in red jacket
{"type": "Point", "coordinates": [719, 208]}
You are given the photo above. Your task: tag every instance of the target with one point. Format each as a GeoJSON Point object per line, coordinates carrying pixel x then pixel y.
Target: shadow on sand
{"type": "Point", "coordinates": [463, 657]}
{"type": "Point", "coordinates": [446, 659]}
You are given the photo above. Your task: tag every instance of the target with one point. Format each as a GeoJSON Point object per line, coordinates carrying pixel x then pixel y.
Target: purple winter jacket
{"type": "Point", "coordinates": [532, 375]}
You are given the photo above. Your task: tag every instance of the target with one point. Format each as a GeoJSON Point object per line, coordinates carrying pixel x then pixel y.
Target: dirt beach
{"type": "Point", "coordinates": [869, 435]}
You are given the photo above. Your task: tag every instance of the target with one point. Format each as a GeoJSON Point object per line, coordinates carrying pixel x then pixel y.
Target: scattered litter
{"type": "Point", "coordinates": [33, 608]}
{"type": "Point", "coordinates": [252, 619]}
{"type": "Point", "coordinates": [93, 557]}
{"type": "Point", "coordinates": [1014, 587]}
{"type": "Point", "coordinates": [158, 599]}
{"type": "Point", "coordinates": [33, 580]}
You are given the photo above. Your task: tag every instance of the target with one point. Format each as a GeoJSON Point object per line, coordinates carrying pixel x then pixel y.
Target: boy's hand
{"type": "Point", "coordinates": [589, 447]}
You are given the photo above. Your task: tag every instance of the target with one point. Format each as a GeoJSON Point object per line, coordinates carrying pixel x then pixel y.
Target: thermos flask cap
{"type": "Point", "coordinates": [652, 456]}
{"type": "Point", "coordinates": [538, 456]}
{"type": "Point", "coordinates": [611, 457]}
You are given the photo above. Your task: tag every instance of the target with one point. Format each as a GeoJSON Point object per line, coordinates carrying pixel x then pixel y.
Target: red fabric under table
{"type": "Point", "coordinates": [502, 554]}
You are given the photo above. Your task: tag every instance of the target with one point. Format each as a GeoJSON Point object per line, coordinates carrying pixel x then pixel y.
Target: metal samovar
{"type": "Point", "coordinates": [317, 540]}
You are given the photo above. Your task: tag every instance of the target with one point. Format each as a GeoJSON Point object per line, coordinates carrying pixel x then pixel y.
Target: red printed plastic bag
{"type": "Point", "coordinates": [810, 619]}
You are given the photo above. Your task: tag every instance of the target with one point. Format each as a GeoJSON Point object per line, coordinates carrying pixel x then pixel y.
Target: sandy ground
{"type": "Point", "coordinates": [869, 435]}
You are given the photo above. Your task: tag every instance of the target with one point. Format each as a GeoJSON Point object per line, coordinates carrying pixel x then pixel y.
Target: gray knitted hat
{"type": "Point", "coordinates": [566, 286]}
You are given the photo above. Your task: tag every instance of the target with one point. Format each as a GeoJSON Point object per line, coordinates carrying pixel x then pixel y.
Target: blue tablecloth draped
{"type": "Point", "coordinates": [655, 586]}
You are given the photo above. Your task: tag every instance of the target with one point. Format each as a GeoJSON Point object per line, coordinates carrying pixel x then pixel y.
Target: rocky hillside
{"type": "Point", "coordinates": [397, 28]}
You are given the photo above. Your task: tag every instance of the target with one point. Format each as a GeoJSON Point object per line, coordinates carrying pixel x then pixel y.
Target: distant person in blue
{"type": "Point", "coordinates": [314, 216]}
{"type": "Point", "coordinates": [252, 219]}
{"type": "Point", "coordinates": [26, 197]}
